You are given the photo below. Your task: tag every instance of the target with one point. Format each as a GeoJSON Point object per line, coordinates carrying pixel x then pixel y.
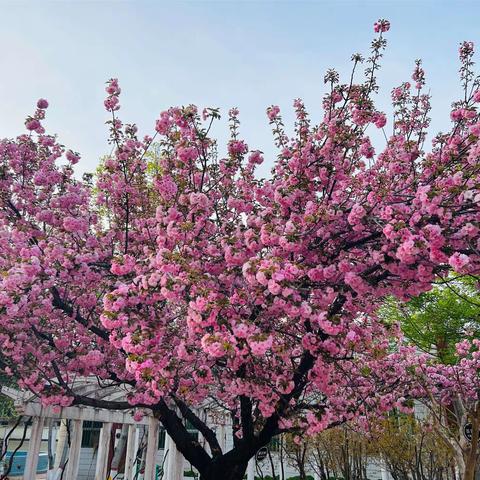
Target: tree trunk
{"type": "Point", "coordinates": [471, 461]}
{"type": "Point", "coordinates": [301, 473]}
{"type": "Point", "coordinates": [469, 472]}
{"type": "Point", "coordinates": [471, 453]}
{"type": "Point", "coordinates": [222, 471]}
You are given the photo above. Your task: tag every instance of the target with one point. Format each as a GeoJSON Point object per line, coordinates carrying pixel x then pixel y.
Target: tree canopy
{"type": "Point", "coordinates": [192, 282]}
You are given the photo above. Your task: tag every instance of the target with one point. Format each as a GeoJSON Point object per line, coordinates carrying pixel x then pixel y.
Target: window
{"type": "Point", "coordinates": [274, 445]}
{"type": "Point", "coordinates": [91, 434]}
{"type": "Point", "coordinates": [162, 434]}
{"type": "Point", "coordinates": [161, 438]}
{"type": "Point", "coordinates": [193, 432]}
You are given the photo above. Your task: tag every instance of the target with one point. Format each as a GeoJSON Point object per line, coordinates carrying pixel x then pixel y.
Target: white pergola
{"type": "Point", "coordinates": [30, 406]}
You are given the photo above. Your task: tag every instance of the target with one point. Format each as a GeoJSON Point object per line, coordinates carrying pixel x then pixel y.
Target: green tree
{"type": "Point", "coordinates": [435, 321]}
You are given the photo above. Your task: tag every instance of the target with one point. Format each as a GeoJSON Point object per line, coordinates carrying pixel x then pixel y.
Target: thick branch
{"type": "Point", "coordinates": [189, 448]}
{"type": "Point", "coordinates": [207, 432]}
{"type": "Point", "coordinates": [246, 416]}
{"type": "Point", "coordinates": [61, 304]}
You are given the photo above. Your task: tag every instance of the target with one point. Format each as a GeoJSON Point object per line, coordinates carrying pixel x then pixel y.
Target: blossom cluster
{"type": "Point", "coordinates": [183, 275]}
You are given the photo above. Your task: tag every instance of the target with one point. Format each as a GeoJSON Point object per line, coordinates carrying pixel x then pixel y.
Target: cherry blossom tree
{"type": "Point", "coordinates": [451, 394]}
{"type": "Point", "coordinates": [190, 282]}
{"type": "Point", "coordinates": [444, 323]}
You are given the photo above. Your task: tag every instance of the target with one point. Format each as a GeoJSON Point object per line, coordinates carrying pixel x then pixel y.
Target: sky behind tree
{"type": "Point", "coordinates": [219, 54]}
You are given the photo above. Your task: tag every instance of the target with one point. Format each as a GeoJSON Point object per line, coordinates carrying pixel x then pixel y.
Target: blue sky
{"type": "Point", "coordinates": [232, 53]}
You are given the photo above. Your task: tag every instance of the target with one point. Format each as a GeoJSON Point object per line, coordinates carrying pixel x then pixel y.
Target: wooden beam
{"type": "Point", "coordinates": [12, 393]}
{"type": "Point", "coordinates": [34, 409]}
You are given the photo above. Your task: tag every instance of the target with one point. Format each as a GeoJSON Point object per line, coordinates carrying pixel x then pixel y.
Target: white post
{"type": "Point", "coordinates": [385, 475]}
{"type": "Point", "coordinates": [130, 455]}
{"type": "Point", "coordinates": [34, 447]}
{"type": "Point", "coordinates": [251, 469]}
{"type": "Point", "coordinates": [152, 447]}
{"type": "Point", "coordinates": [61, 451]}
{"type": "Point", "coordinates": [166, 455]}
{"type": "Point", "coordinates": [119, 450]}
{"type": "Point", "coordinates": [174, 470]}
{"type": "Point", "coordinates": [103, 451]}
{"type": "Point", "coordinates": [52, 442]}
{"type": "Point", "coordinates": [74, 450]}
{"type": "Point", "coordinates": [222, 440]}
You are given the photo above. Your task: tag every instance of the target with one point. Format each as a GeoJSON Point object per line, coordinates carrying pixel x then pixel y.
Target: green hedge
{"type": "Point", "coordinates": [277, 477]}
{"type": "Point", "coordinates": [309, 477]}
{"type": "Point", "coordinates": [191, 473]}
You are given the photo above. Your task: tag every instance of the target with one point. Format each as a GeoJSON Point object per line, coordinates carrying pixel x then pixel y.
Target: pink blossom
{"type": "Point", "coordinates": [72, 157]}
{"type": "Point", "coordinates": [475, 129]}
{"type": "Point", "coordinates": [237, 147]}
{"type": "Point", "coordinates": [273, 112]}
{"type": "Point", "coordinates": [42, 104]}
{"type": "Point", "coordinates": [274, 288]}
{"type": "Point", "coordinates": [259, 347]}
{"type": "Point", "coordinates": [32, 124]}
{"type": "Point", "coordinates": [380, 120]}
{"type": "Point", "coordinates": [381, 26]}
{"type": "Point", "coordinates": [75, 225]}
{"type": "Point", "coordinates": [356, 214]}
{"type": "Point", "coordinates": [255, 158]}
{"type": "Point", "coordinates": [138, 415]}
{"type": "Point", "coordinates": [167, 187]}
{"type": "Point", "coordinates": [458, 260]}
{"type": "Point", "coordinates": [187, 154]}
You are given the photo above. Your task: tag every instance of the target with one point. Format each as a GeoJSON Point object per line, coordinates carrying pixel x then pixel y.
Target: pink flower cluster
{"type": "Point", "coordinates": [181, 275]}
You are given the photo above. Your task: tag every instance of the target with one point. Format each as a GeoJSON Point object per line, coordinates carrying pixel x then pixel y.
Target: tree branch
{"type": "Point", "coordinates": [61, 304]}
{"type": "Point", "coordinates": [207, 432]}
